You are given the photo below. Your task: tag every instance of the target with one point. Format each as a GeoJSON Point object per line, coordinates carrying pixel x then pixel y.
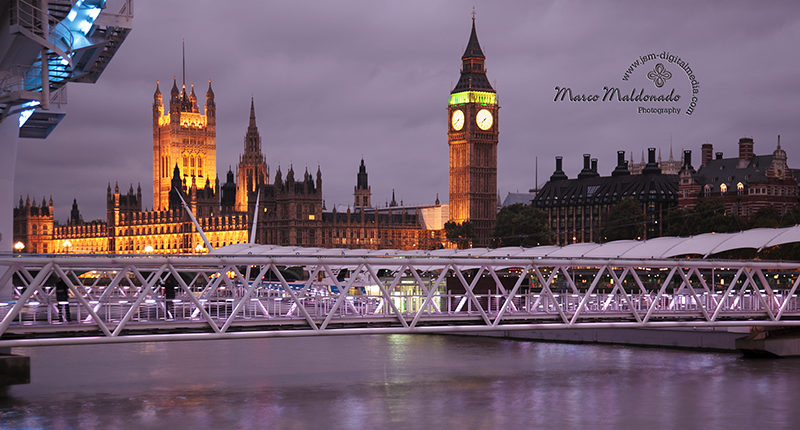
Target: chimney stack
{"type": "Point", "coordinates": [745, 151]}
{"type": "Point", "coordinates": [651, 167]}
{"type": "Point", "coordinates": [707, 153]}
{"type": "Point", "coordinates": [587, 168]}
{"type": "Point", "coordinates": [622, 166]}
{"type": "Point", "coordinates": [559, 174]}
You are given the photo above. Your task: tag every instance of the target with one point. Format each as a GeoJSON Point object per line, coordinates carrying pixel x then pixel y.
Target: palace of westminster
{"type": "Point", "coordinates": [291, 209]}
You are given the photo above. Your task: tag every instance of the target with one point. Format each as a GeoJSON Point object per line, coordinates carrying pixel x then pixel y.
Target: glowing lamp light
{"type": "Point", "coordinates": [199, 248]}
{"type": "Point", "coordinates": [19, 246]}
{"type": "Point", "coordinates": [148, 249]}
{"type": "Point", "coordinates": [66, 245]}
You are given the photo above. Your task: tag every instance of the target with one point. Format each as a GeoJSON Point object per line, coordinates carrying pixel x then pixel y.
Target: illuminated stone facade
{"type": "Point", "coordinates": [291, 210]}
{"type": "Point", "coordinates": [33, 226]}
{"type": "Point", "coordinates": [183, 137]}
{"type": "Point", "coordinates": [252, 170]}
{"type": "Point", "coordinates": [472, 139]}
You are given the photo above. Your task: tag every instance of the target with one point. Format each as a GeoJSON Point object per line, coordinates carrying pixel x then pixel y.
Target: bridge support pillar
{"type": "Point", "coordinates": [14, 369]}
{"type": "Point", "coordinates": [771, 343]}
{"type": "Point", "coordinates": [9, 141]}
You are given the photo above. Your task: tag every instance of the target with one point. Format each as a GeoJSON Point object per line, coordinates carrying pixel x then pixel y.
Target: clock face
{"type": "Point", "coordinates": [457, 121]}
{"type": "Point", "coordinates": [484, 119]}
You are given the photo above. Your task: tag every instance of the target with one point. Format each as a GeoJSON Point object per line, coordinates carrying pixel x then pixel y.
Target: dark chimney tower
{"type": "Point", "coordinates": [586, 172]}
{"type": "Point", "coordinates": [652, 166]}
{"type": "Point", "coordinates": [559, 174]}
{"type": "Point", "coordinates": [622, 167]}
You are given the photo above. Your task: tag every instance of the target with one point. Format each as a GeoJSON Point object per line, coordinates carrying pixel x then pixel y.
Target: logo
{"type": "Point", "coordinates": [668, 95]}
{"type": "Point", "coordinates": [659, 75]}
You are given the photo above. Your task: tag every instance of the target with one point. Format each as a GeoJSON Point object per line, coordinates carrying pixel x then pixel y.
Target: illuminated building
{"type": "Point", "coordinates": [252, 170]}
{"type": "Point", "coordinates": [472, 139]}
{"type": "Point", "coordinates": [291, 212]}
{"type": "Point", "coordinates": [745, 183]}
{"type": "Point", "coordinates": [33, 226]}
{"type": "Point", "coordinates": [184, 137]}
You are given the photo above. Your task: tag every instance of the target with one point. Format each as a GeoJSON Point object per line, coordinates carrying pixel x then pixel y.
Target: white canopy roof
{"type": "Point", "coordinates": [661, 247]}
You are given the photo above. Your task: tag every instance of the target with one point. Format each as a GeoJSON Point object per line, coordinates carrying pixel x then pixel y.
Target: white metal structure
{"type": "Point", "coordinates": [123, 298]}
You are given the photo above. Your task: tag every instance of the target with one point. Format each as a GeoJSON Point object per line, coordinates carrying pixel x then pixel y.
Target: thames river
{"type": "Point", "coordinates": [399, 381]}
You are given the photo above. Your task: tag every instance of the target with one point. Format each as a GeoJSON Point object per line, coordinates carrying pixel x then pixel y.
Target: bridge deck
{"type": "Point", "coordinates": [73, 300]}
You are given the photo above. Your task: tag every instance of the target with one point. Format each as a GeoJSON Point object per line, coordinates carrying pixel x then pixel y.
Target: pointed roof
{"type": "Point", "coordinates": [473, 74]}
{"type": "Point", "coordinates": [473, 47]}
{"type": "Point", "coordinates": [210, 92]}
{"type": "Point", "coordinates": [252, 113]}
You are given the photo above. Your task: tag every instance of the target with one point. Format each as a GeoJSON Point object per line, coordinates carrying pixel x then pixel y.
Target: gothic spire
{"type": "Point", "coordinates": [210, 92]}
{"type": "Point", "coordinates": [174, 92]}
{"type": "Point", "coordinates": [252, 114]}
{"type": "Point", "coordinates": [473, 74]}
{"type": "Point", "coordinates": [473, 46]}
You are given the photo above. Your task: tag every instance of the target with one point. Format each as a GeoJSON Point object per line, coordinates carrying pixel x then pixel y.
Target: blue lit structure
{"type": "Point", "coordinates": [44, 44]}
{"type": "Point", "coordinates": [73, 44]}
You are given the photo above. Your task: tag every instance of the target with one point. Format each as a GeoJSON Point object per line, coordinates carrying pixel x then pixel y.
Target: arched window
{"type": "Point", "coordinates": [723, 188]}
{"type": "Point", "coordinates": [707, 190]}
{"type": "Point", "coordinates": [740, 188]}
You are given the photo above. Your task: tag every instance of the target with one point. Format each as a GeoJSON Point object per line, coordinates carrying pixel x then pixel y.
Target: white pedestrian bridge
{"type": "Point", "coordinates": [250, 291]}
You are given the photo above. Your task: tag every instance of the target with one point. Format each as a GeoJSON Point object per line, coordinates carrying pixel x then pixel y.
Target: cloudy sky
{"type": "Point", "coordinates": [335, 81]}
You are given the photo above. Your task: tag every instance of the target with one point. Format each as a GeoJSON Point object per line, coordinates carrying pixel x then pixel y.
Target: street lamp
{"type": "Point", "coordinates": [66, 245]}
{"type": "Point", "coordinates": [148, 249]}
{"type": "Point", "coordinates": [199, 248]}
{"type": "Point", "coordinates": [19, 246]}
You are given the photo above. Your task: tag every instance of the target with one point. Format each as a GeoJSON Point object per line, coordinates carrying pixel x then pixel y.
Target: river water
{"type": "Point", "coordinates": [399, 381]}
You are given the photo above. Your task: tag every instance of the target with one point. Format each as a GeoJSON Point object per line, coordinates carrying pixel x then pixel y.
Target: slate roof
{"type": "Point", "coordinates": [471, 80]}
{"type": "Point", "coordinates": [608, 190]}
{"type": "Point", "coordinates": [473, 46]}
{"type": "Point", "coordinates": [727, 171]}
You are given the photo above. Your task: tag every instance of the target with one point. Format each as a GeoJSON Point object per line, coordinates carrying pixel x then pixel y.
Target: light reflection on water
{"type": "Point", "coordinates": [393, 381]}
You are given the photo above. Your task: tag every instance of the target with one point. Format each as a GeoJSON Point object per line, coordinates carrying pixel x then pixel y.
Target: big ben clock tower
{"type": "Point", "coordinates": [472, 138]}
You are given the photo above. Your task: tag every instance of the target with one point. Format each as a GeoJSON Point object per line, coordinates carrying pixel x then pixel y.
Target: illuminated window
{"type": "Point", "coordinates": [707, 190]}
{"type": "Point", "coordinates": [723, 188]}
{"type": "Point", "coordinates": [312, 217]}
{"type": "Point", "coordinates": [740, 187]}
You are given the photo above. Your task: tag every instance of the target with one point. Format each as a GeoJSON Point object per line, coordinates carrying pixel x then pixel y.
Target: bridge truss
{"type": "Point", "coordinates": [115, 299]}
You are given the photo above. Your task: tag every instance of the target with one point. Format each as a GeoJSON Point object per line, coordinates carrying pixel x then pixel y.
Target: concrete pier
{"type": "Point", "coordinates": [14, 369]}
{"type": "Point", "coordinates": [771, 343]}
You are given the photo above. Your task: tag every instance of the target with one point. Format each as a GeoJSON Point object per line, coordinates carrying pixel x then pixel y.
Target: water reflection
{"type": "Point", "coordinates": [392, 381]}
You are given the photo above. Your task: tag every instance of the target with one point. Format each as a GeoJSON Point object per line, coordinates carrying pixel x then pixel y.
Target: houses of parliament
{"type": "Point", "coordinates": [290, 205]}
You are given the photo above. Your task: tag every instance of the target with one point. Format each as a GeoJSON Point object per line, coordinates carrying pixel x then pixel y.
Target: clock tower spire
{"type": "Point", "coordinates": [472, 138]}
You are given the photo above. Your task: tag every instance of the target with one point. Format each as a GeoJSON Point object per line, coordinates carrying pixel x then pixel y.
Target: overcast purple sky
{"type": "Point", "coordinates": [334, 81]}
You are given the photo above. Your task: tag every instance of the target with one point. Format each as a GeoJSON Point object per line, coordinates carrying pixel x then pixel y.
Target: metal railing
{"type": "Point", "coordinates": [28, 15]}
{"type": "Point", "coordinates": [73, 299]}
